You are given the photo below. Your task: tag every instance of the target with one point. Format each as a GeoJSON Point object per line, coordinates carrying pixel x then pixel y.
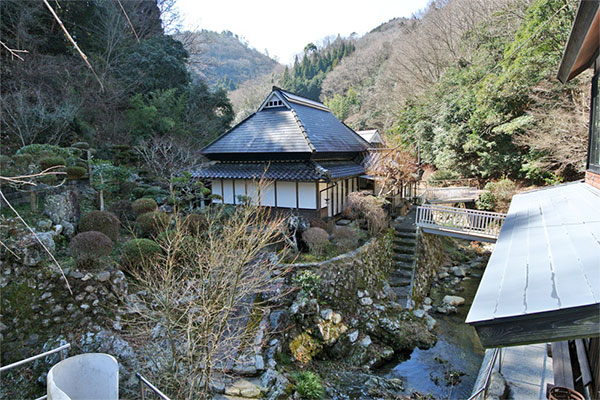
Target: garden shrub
{"type": "Point", "coordinates": [318, 223]}
{"type": "Point", "coordinates": [195, 224]}
{"type": "Point", "coordinates": [49, 162]}
{"type": "Point", "coordinates": [123, 210]}
{"type": "Point", "coordinates": [317, 240]}
{"type": "Point", "coordinates": [442, 174]}
{"type": "Point", "coordinates": [137, 251]}
{"type": "Point", "coordinates": [309, 282]}
{"type": "Point", "coordinates": [497, 195]}
{"type": "Point", "coordinates": [346, 237]}
{"type": "Point", "coordinates": [153, 191]}
{"type": "Point", "coordinates": [75, 172]}
{"type": "Point", "coordinates": [309, 385]}
{"type": "Point", "coordinates": [365, 205]}
{"type": "Point", "coordinates": [88, 247]}
{"type": "Point", "coordinates": [152, 223]}
{"type": "Point", "coordinates": [138, 192]}
{"type": "Point", "coordinates": [143, 206]}
{"type": "Point", "coordinates": [22, 161]}
{"type": "Point", "coordinates": [38, 151]}
{"type": "Point", "coordinates": [100, 221]}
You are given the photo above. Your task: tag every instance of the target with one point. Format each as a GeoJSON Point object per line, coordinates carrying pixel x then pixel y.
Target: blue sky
{"type": "Point", "coordinates": [285, 27]}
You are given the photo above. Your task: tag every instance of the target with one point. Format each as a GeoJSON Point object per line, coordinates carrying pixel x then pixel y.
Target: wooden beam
{"type": "Point", "coordinates": [551, 326]}
{"type": "Point", "coordinates": [234, 200]}
{"type": "Point", "coordinates": [275, 189]}
{"type": "Point", "coordinates": [297, 198]}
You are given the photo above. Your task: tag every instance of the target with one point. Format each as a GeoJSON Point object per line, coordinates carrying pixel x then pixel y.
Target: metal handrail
{"type": "Point", "coordinates": [60, 349]}
{"type": "Point", "coordinates": [25, 361]}
{"type": "Point", "coordinates": [460, 220]}
{"type": "Point", "coordinates": [486, 383]}
{"type": "Point", "coordinates": [144, 381]}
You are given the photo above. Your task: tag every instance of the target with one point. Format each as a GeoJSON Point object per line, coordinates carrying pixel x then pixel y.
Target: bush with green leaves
{"type": "Point", "coordinates": [308, 385]}
{"type": "Point", "coordinates": [152, 223]}
{"type": "Point", "coordinates": [88, 247]}
{"type": "Point", "coordinates": [143, 206]}
{"type": "Point", "coordinates": [49, 162]}
{"type": "Point", "coordinates": [106, 178]}
{"type": "Point", "coordinates": [317, 240]}
{"type": "Point", "coordinates": [38, 151]}
{"type": "Point", "coordinates": [101, 221]}
{"type": "Point", "coordinates": [75, 172]}
{"type": "Point", "coordinates": [137, 251]}
{"type": "Point", "coordinates": [309, 282]}
{"type": "Point", "coordinates": [22, 161]}
{"type": "Point", "coordinates": [497, 195]}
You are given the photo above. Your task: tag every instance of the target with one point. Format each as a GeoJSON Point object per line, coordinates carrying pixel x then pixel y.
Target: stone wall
{"type": "Point", "coordinates": [430, 259]}
{"type": "Point", "coordinates": [364, 269]}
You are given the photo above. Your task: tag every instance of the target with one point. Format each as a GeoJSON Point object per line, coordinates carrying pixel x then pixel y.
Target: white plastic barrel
{"type": "Point", "coordinates": [92, 376]}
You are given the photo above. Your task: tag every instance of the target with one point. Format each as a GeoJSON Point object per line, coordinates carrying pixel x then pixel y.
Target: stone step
{"type": "Point", "coordinates": [402, 292]}
{"type": "Point", "coordinates": [406, 231]}
{"type": "Point", "coordinates": [396, 281]}
{"type": "Point", "coordinates": [408, 266]}
{"type": "Point", "coordinates": [405, 273]}
{"type": "Point", "coordinates": [409, 258]}
{"type": "Point", "coordinates": [405, 249]}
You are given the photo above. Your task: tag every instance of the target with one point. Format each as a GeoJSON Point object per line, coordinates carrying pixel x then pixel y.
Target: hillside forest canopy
{"type": "Point", "coordinates": [470, 82]}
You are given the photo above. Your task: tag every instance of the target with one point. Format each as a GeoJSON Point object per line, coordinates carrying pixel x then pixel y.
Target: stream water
{"type": "Point", "coordinates": [449, 369]}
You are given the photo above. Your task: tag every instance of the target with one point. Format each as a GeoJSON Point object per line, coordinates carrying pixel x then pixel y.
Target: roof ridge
{"type": "Point", "coordinates": [303, 130]}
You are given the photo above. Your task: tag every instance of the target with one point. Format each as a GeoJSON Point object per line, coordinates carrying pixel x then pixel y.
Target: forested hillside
{"type": "Point", "coordinates": [136, 86]}
{"type": "Point", "coordinates": [224, 60]}
{"type": "Point", "coordinates": [305, 77]}
{"type": "Point", "coordinates": [472, 81]}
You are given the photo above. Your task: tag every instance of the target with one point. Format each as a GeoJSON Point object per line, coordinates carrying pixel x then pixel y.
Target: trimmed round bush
{"type": "Point", "coordinates": [89, 246]}
{"type": "Point", "coordinates": [195, 224]}
{"type": "Point", "coordinates": [152, 223]}
{"type": "Point", "coordinates": [49, 162]}
{"type": "Point", "coordinates": [317, 240]}
{"type": "Point", "coordinates": [346, 237]}
{"type": "Point", "coordinates": [101, 221]}
{"type": "Point", "coordinates": [143, 206]}
{"type": "Point", "coordinates": [317, 223]}
{"type": "Point", "coordinates": [136, 251]}
{"type": "Point", "coordinates": [22, 160]}
{"type": "Point", "coordinates": [75, 172]}
{"type": "Point", "coordinates": [153, 191]}
{"type": "Point", "coordinates": [123, 210]}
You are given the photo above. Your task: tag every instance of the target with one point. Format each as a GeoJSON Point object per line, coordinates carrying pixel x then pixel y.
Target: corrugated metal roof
{"type": "Point", "coordinates": [547, 257]}
{"type": "Point", "coordinates": [307, 127]}
{"type": "Point", "coordinates": [293, 171]}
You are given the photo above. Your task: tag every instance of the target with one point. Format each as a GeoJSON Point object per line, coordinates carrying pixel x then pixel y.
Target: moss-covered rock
{"type": "Point", "coordinates": [304, 347]}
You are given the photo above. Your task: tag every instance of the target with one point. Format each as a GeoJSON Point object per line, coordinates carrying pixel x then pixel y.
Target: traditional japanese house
{"type": "Point", "coordinates": [307, 160]}
{"type": "Point", "coordinates": [542, 282]}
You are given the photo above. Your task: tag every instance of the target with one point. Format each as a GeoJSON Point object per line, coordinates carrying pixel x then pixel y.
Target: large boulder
{"type": "Point", "coordinates": [62, 207]}
{"type": "Point", "coordinates": [32, 249]}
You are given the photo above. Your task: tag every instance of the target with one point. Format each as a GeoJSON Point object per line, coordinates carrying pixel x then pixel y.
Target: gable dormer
{"type": "Point", "coordinates": [273, 101]}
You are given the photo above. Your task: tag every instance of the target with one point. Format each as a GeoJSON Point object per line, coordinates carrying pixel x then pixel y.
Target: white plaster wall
{"type": "Point", "coordinates": [286, 194]}
{"type": "Point", "coordinates": [307, 196]}
{"type": "Point", "coordinates": [267, 197]}
{"type": "Point", "coordinates": [228, 191]}
{"type": "Point", "coordinates": [85, 376]}
{"type": "Point", "coordinates": [240, 188]}
{"type": "Point", "coordinates": [252, 191]}
{"type": "Point", "coordinates": [216, 189]}
{"type": "Point", "coordinates": [323, 194]}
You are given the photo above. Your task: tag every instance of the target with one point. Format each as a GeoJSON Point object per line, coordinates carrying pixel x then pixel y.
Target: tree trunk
{"type": "Point", "coordinates": [101, 193]}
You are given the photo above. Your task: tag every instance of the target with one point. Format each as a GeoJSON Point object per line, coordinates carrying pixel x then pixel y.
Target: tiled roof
{"type": "Point", "coordinates": [289, 170]}
{"type": "Point", "coordinates": [300, 126]}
